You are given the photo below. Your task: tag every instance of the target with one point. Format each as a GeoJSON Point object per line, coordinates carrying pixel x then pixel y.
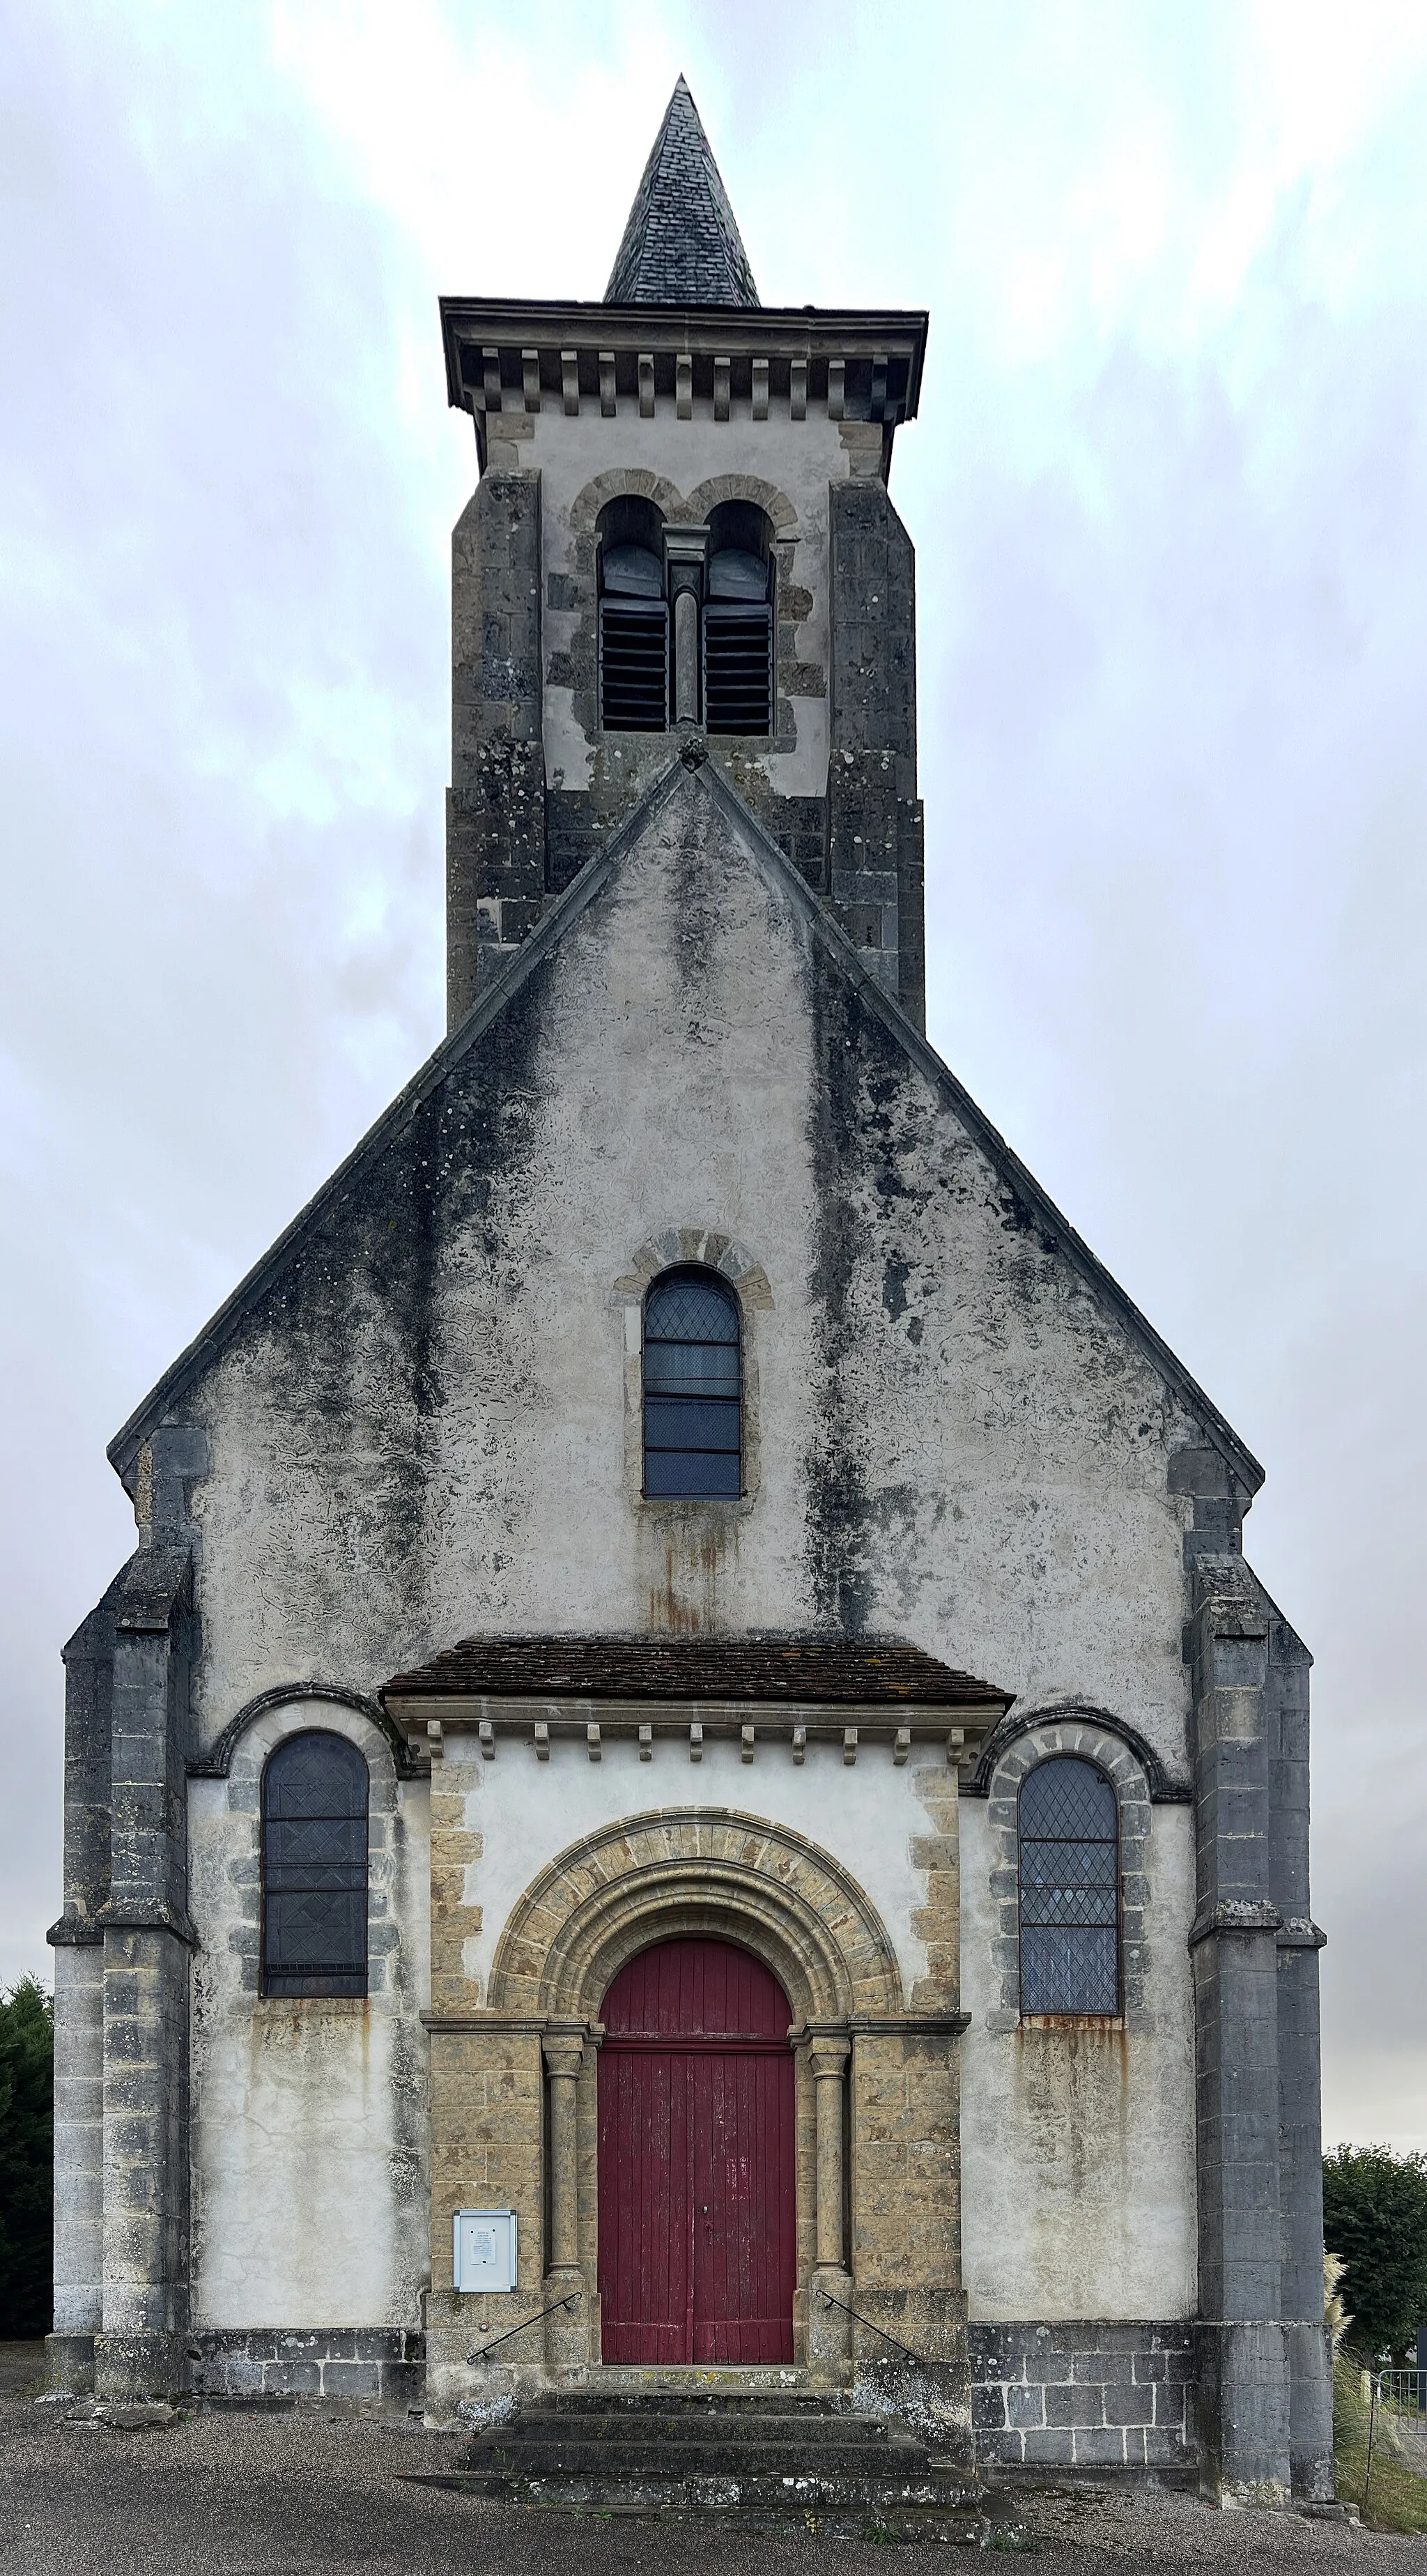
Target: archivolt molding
{"type": "Point", "coordinates": [715, 1251]}
{"type": "Point", "coordinates": [702, 1244]}
{"type": "Point", "coordinates": [686, 510]}
{"type": "Point", "coordinates": [1005, 1763]}
{"type": "Point", "coordinates": [1064, 1716]}
{"type": "Point", "coordinates": [217, 1764]}
{"type": "Point", "coordinates": [694, 1871]}
{"type": "Point", "coordinates": [705, 498]}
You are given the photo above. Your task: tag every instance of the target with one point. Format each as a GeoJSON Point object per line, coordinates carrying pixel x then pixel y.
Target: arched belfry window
{"type": "Point", "coordinates": [1070, 1889]}
{"type": "Point", "coordinates": [738, 621]}
{"type": "Point", "coordinates": [693, 1432]}
{"type": "Point", "coordinates": [315, 1867]}
{"type": "Point", "coordinates": [634, 619]}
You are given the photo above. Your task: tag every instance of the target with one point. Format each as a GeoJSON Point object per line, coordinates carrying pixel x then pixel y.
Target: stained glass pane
{"type": "Point", "coordinates": [1070, 1890]}
{"type": "Point", "coordinates": [693, 1435]}
{"type": "Point", "coordinates": [1070, 1798]}
{"type": "Point", "coordinates": [315, 1867]}
{"type": "Point", "coordinates": [682, 1309]}
{"type": "Point", "coordinates": [691, 1368]}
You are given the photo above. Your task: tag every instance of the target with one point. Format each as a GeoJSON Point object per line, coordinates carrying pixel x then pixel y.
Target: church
{"type": "Point", "coordinates": [688, 1788]}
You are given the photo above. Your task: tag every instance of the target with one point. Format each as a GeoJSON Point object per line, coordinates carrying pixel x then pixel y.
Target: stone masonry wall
{"type": "Point", "coordinates": [1083, 2395]}
{"type": "Point", "coordinates": [369, 2366]}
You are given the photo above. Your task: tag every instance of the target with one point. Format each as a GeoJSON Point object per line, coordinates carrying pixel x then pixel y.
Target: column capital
{"type": "Point", "coordinates": [563, 2051]}
{"type": "Point", "coordinates": [829, 2057]}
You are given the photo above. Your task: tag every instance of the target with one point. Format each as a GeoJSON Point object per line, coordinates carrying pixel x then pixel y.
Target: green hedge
{"type": "Point", "coordinates": [26, 2161]}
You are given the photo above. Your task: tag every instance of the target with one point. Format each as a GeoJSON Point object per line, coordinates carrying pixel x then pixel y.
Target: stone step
{"type": "Point", "coordinates": [837, 2432]}
{"type": "Point", "coordinates": [745, 2489]}
{"type": "Point", "coordinates": [665, 2400]}
{"type": "Point", "coordinates": [716, 2458]}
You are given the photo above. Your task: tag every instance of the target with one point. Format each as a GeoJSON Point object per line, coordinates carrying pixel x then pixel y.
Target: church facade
{"type": "Point", "coordinates": [688, 1775]}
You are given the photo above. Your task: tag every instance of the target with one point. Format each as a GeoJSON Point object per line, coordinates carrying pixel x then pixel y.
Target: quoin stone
{"type": "Point", "coordinates": [681, 1494]}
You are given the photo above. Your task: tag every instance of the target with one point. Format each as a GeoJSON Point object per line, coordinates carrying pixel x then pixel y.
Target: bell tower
{"type": "Point", "coordinates": [682, 541]}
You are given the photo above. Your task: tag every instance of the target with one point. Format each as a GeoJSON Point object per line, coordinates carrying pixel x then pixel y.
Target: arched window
{"type": "Point", "coordinates": [634, 619]}
{"type": "Point", "coordinates": [738, 621]}
{"type": "Point", "coordinates": [692, 1410]}
{"type": "Point", "coordinates": [315, 1868]}
{"type": "Point", "coordinates": [1070, 1889]}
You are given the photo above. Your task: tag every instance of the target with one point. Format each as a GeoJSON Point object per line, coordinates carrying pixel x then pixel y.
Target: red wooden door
{"type": "Point", "coordinates": [696, 2185]}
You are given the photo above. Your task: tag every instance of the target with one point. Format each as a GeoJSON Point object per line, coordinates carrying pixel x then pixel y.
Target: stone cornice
{"type": "Point", "coordinates": [530, 343]}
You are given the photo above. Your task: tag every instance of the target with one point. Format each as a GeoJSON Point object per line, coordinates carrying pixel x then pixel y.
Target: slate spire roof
{"type": "Point", "coordinates": [681, 244]}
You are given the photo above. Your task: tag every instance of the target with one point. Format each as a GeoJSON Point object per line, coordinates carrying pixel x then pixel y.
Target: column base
{"type": "Point", "coordinates": [69, 2363]}
{"type": "Point", "coordinates": [827, 2333]}
{"type": "Point", "coordinates": [1308, 2352]}
{"type": "Point", "coordinates": [1243, 2388]}
{"type": "Point", "coordinates": [567, 2331]}
{"type": "Point", "coordinates": [925, 2375]}
{"type": "Point", "coordinates": [141, 2365]}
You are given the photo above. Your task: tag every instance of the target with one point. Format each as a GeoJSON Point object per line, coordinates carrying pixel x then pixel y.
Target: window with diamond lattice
{"type": "Point", "coordinates": [693, 1438]}
{"type": "Point", "coordinates": [1070, 1889]}
{"type": "Point", "coordinates": [315, 1868]}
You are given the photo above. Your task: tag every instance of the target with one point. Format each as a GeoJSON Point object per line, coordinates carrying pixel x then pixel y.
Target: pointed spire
{"type": "Point", "coordinates": [681, 244]}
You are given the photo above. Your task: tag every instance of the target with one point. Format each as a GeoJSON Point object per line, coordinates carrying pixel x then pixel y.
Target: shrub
{"type": "Point", "coordinates": [1375, 2217]}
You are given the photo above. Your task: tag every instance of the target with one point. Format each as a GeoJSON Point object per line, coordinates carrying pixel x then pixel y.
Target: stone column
{"type": "Point", "coordinates": [685, 551]}
{"type": "Point", "coordinates": [1243, 2372]}
{"type": "Point", "coordinates": [142, 2344]}
{"type": "Point", "coordinates": [567, 2329]}
{"type": "Point", "coordinates": [78, 1944]}
{"type": "Point", "coordinates": [564, 2057]}
{"type": "Point", "coordinates": [829, 2063]}
{"type": "Point", "coordinates": [1300, 2163]}
{"type": "Point", "coordinates": [829, 2330]}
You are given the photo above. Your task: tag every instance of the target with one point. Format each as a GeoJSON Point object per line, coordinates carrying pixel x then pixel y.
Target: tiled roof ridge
{"type": "Point", "coordinates": [801, 1665]}
{"type": "Point", "coordinates": [681, 244]}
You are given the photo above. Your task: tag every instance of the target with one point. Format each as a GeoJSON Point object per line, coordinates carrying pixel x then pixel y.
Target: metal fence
{"type": "Point", "coordinates": [1397, 2411]}
{"type": "Point", "coordinates": [1402, 2397]}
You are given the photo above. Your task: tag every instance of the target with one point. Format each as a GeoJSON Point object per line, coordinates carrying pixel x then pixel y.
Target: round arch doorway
{"type": "Point", "coordinates": [697, 2195]}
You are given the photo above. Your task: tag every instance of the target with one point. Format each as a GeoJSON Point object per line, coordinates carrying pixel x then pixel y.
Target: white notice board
{"type": "Point", "coordinates": [483, 2250]}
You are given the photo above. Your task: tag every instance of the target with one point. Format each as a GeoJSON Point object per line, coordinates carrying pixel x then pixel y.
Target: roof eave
{"type": "Point", "coordinates": [803, 330]}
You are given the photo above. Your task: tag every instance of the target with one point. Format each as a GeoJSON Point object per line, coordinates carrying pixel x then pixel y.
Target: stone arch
{"type": "Point", "coordinates": [1103, 1741]}
{"type": "Point", "coordinates": [713, 1251]}
{"type": "Point", "coordinates": [705, 497]}
{"type": "Point", "coordinates": [228, 1862]}
{"type": "Point", "coordinates": [613, 485]}
{"type": "Point", "coordinates": [702, 1244]}
{"type": "Point", "coordinates": [699, 1871]}
{"type": "Point", "coordinates": [216, 1764]}
{"type": "Point", "coordinates": [1025, 1721]}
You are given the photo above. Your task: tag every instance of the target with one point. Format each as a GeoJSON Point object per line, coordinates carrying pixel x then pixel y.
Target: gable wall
{"type": "Point", "coordinates": [429, 1430]}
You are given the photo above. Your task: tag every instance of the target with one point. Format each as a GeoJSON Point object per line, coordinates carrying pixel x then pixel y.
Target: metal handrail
{"type": "Point", "coordinates": [538, 2319]}
{"type": "Point", "coordinates": [829, 2301]}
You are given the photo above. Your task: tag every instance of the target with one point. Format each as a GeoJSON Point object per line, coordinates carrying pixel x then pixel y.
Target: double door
{"type": "Point", "coordinates": [696, 2164]}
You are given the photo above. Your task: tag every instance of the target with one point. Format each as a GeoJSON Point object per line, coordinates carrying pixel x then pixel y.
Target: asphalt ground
{"type": "Point", "coordinates": [279, 2495]}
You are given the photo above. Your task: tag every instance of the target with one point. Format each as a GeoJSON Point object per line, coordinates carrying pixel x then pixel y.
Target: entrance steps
{"type": "Point", "coordinates": [775, 2453]}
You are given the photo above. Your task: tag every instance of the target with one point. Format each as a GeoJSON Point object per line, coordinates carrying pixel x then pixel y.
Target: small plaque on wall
{"type": "Point", "coordinates": [483, 2250]}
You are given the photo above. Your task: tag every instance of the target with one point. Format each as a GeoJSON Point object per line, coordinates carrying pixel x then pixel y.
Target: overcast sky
{"type": "Point", "coordinates": [1169, 497]}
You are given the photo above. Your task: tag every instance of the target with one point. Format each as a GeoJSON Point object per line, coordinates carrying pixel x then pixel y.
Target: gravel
{"type": "Point", "coordinates": [288, 2494]}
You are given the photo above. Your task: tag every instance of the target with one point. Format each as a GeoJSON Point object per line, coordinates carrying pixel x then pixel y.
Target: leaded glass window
{"type": "Point", "coordinates": [692, 1410]}
{"type": "Point", "coordinates": [315, 1868]}
{"type": "Point", "coordinates": [1070, 1889]}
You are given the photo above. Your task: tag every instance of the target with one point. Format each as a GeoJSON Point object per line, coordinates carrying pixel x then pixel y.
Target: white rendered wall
{"type": "Point", "coordinates": [526, 1811]}
{"type": "Point", "coordinates": [310, 2158]}
{"type": "Point", "coordinates": [1077, 2143]}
